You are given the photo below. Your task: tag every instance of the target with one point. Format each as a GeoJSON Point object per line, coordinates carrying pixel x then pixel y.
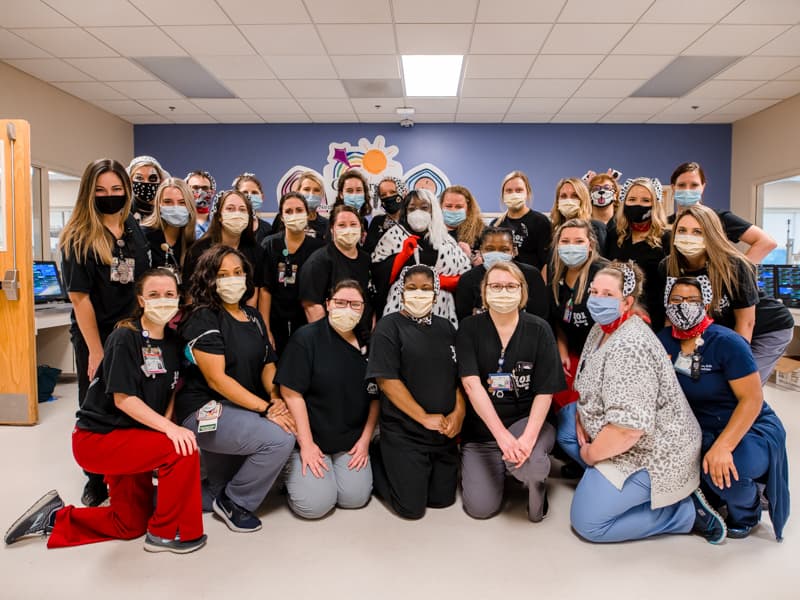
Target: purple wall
{"type": "Point", "coordinates": [475, 155]}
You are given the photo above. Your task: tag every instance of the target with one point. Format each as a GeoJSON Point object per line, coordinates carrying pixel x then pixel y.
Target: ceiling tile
{"type": "Point", "coordinates": [483, 105]}
{"type": "Point", "coordinates": [659, 39]}
{"type": "Point", "coordinates": [66, 42]}
{"type": "Point", "coordinates": [223, 106]}
{"type": "Point", "coordinates": [608, 11]}
{"type": "Point", "coordinates": [480, 117]}
{"type": "Point", "coordinates": [520, 11]}
{"type": "Point", "coordinates": [617, 66]}
{"type": "Point", "coordinates": [490, 88]}
{"type": "Point", "coordinates": [747, 107]}
{"type": "Point", "coordinates": [350, 117]}
{"type": "Point", "coordinates": [642, 106]}
{"type": "Point", "coordinates": [98, 14]}
{"type": "Point", "coordinates": [433, 39]}
{"type": "Point", "coordinates": [676, 118]}
{"type": "Point", "coordinates": [257, 88]}
{"type": "Point", "coordinates": [724, 89]}
{"type": "Point", "coordinates": [384, 105]}
{"type": "Point", "coordinates": [517, 38]}
{"type": "Point", "coordinates": [286, 118]}
{"type": "Point", "coordinates": [379, 118]}
{"type": "Point", "coordinates": [301, 67]}
{"type": "Point", "coordinates": [537, 105]}
{"type": "Point", "coordinates": [549, 88]}
{"type": "Point", "coordinates": [236, 67]}
{"type": "Point", "coordinates": [787, 44]}
{"type": "Point", "coordinates": [583, 39]}
{"type": "Point", "coordinates": [182, 12]}
{"type": "Point", "coordinates": [366, 67]}
{"type": "Point", "coordinates": [587, 117]}
{"type": "Point", "coordinates": [30, 13]}
{"type": "Point", "coordinates": [688, 11]}
{"type": "Point", "coordinates": [371, 39]}
{"type": "Point", "coordinates": [123, 107]}
{"type": "Point", "coordinates": [13, 46]}
{"type": "Point", "coordinates": [247, 12]}
{"type": "Point", "coordinates": [751, 12]}
{"type": "Point", "coordinates": [209, 40]}
{"type": "Point", "coordinates": [346, 11]}
{"type": "Point", "coordinates": [316, 88]}
{"type": "Point", "coordinates": [144, 90]}
{"type": "Point", "coordinates": [718, 118]}
{"type": "Point", "coordinates": [151, 119]}
{"type": "Point", "coordinates": [441, 11]}
{"type": "Point", "coordinates": [232, 119]}
{"type": "Point", "coordinates": [179, 107]}
{"type": "Point", "coordinates": [695, 106]}
{"type": "Point", "coordinates": [277, 106]}
{"type": "Point", "coordinates": [196, 119]}
{"type": "Point", "coordinates": [283, 39]}
{"type": "Point", "coordinates": [734, 40]}
{"type": "Point", "coordinates": [138, 41]}
{"type": "Point", "coordinates": [793, 75]}
{"type": "Point", "coordinates": [588, 105]}
{"type": "Point", "coordinates": [49, 69]}
{"type": "Point", "coordinates": [760, 67]}
{"type": "Point", "coordinates": [435, 118]}
{"type": "Point", "coordinates": [608, 88]}
{"type": "Point", "coordinates": [434, 105]}
{"type": "Point", "coordinates": [90, 90]}
{"type": "Point", "coordinates": [498, 65]}
{"type": "Point", "coordinates": [565, 65]}
{"type": "Point", "coordinates": [327, 106]}
{"type": "Point", "coordinates": [111, 69]}
{"type": "Point", "coordinates": [528, 117]}
{"type": "Point", "coordinates": [614, 117]}
{"type": "Point", "coordinates": [775, 90]}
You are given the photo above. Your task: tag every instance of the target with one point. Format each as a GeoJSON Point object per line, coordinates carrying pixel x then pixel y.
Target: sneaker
{"type": "Point", "coordinates": [38, 519]}
{"type": "Point", "coordinates": [176, 546]}
{"type": "Point", "coordinates": [95, 492]}
{"type": "Point", "coordinates": [739, 533]}
{"type": "Point", "coordinates": [707, 521]}
{"type": "Point", "coordinates": [235, 517]}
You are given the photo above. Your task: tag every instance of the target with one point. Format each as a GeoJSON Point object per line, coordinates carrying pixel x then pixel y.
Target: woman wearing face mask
{"type": "Point", "coordinates": [103, 252]}
{"type": "Point", "coordinates": [531, 228]}
{"type": "Point", "coordinates": [508, 364]}
{"type": "Point", "coordinates": [170, 229]}
{"type": "Point", "coordinates": [203, 189]}
{"type": "Point", "coordinates": [572, 202]}
{"type": "Point", "coordinates": [700, 249]}
{"type": "Point", "coordinates": [688, 184]}
{"type": "Point", "coordinates": [322, 377]}
{"type": "Point", "coordinates": [243, 426]}
{"type": "Point", "coordinates": [312, 187]}
{"type": "Point", "coordinates": [744, 441]}
{"type": "Point", "coordinates": [604, 194]}
{"type": "Point", "coordinates": [391, 191]}
{"type": "Point", "coordinates": [463, 219]}
{"type": "Point", "coordinates": [125, 429]}
{"type": "Point", "coordinates": [642, 235]}
{"type": "Point", "coordinates": [285, 254]}
{"type": "Point", "coordinates": [420, 238]}
{"type": "Point", "coordinates": [635, 432]}
{"type": "Point", "coordinates": [146, 175]}
{"type": "Point", "coordinates": [249, 185]}
{"type": "Point", "coordinates": [497, 245]}
{"type": "Point", "coordinates": [352, 190]}
{"type": "Point", "coordinates": [413, 359]}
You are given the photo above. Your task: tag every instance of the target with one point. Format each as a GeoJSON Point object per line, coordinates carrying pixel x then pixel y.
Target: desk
{"type": "Point", "coordinates": [53, 343]}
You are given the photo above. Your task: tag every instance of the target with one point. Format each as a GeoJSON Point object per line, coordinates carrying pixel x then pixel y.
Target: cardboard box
{"type": "Point", "coordinates": [787, 372]}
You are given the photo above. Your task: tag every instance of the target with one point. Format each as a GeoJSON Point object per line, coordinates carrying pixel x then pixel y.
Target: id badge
{"type": "Point", "coordinates": [500, 383]}
{"type": "Point", "coordinates": [683, 365]}
{"type": "Point", "coordinates": [208, 416]}
{"type": "Point", "coordinates": [153, 361]}
{"type": "Point", "coordinates": [122, 271]}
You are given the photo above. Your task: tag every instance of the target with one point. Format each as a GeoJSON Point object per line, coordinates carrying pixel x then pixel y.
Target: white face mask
{"type": "Point", "coordinates": [419, 220]}
{"type": "Point", "coordinates": [569, 207]}
{"type": "Point", "coordinates": [344, 320]}
{"type": "Point", "coordinates": [296, 222]}
{"type": "Point", "coordinates": [348, 237]}
{"type": "Point", "coordinates": [690, 245]}
{"type": "Point", "coordinates": [514, 200]}
{"type": "Point", "coordinates": [160, 310]}
{"type": "Point", "coordinates": [503, 301]}
{"type": "Point", "coordinates": [418, 303]}
{"type": "Point", "coordinates": [235, 222]}
{"type": "Point", "coordinates": [231, 289]}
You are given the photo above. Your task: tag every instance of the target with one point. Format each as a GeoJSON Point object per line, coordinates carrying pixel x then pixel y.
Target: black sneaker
{"type": "Point", "coordinates": [739, 532]}
{"type": "Point", "coordinates": [707, 521]}
{"type": "Point", "coordinates": [95, 492]}
{"type": "Point", "coordinates": [176, 546]}
{"type": "Point", "coordinates": [235, 517]}
{"type": "Point", "coordinates": [38, 519]}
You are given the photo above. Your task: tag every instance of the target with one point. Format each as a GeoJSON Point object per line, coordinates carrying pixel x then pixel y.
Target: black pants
{"type": "Point", "coordinates": [411, 477]}
{"type": "Point", "coordinates": [282, 330]}
{"type": "Point", "coordinates": [82, 365]}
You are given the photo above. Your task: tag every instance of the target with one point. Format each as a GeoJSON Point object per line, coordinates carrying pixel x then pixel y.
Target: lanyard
{"type": "Point", "coordinates": [501, 360]}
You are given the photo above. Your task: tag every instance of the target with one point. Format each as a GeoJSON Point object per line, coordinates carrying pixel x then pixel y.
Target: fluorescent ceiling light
{"type": "Point", "coordinates": [682, 75]}
{"type": "Point", "coordinates": [432, 75]}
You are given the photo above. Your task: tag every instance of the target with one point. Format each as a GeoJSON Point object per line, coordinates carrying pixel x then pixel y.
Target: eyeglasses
{"type": "Point", "coordinates": [342, 303]}
{"type": "Point", "coordinates": [602, 188]}
{"type": "Point", "coordinates": [203, 188]}
{"type": "Point", "coordinates": [680, 299]}
{"type": "Point", "coordinates": [499, 287]}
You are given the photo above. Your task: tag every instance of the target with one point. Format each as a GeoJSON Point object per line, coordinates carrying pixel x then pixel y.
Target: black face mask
{"type": "Point", "coordinates": [391, 204]}
{"type": "Point", "coordinates": [109, 205]}
{"type": "Point", "coordinates": [636, 213]}
{"type": "Point", "coordinates": [144, 190]}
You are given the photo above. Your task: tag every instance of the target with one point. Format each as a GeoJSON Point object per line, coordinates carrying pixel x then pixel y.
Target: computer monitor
{"type": "Point", "coordinates": [766, 279]}
{"type": "Point", "coordinates": [47, 283]}
{"type": "Point", "coordinates": [787, 283]}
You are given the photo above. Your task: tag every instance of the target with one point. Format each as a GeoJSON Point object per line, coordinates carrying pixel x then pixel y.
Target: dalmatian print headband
{"type": "Point", "coordinates": [628, 280]}
{"type": "Point", "coordinates": [629, 183]}
{"type": "Point", "coordinates": [404, 274]}
{"type": "Point", "coordinates": [705, 289]}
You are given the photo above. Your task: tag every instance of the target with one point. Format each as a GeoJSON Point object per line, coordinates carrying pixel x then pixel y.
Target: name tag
{"type": "Point", "coordinates": [122, 271]}
{"type": "Point", "coordinates": [208, 416]}
{"type": "Point", "coordinates": [153, 361]}
{"type": "Point", "coordinates": [499, 383]}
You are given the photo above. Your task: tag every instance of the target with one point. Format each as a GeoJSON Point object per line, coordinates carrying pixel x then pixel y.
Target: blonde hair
{"type": "Point", "coordinates": [315, 178]}
{"type": "Point", "coordinates": [559, 269]}
{"type": "Point", "coordinates": [512, 269]}
{"type": "Point", "coordinates": [616, 270]}
{"type": "Point", "coordinates": [506, 179]}
{"type": "Point", "coordinates": [155, 221]}
{"type": "Point", "coordinates": [84, 231]}
{"type": "Point", "coordinates": [585, 211]}
{"type": "Point", "coordinates": [658, 218]}
{"type": "Point", "coordinates": [470, 230]}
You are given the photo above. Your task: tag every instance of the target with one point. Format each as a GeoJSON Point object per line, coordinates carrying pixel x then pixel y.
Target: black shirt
{"type": "Point", "coordinates": [531, 357]}
{"type": "Point", "coordinates": [243, 344]}
{"type": "Point", "coordinates": [330, 375]}
{"type": "Point", "coordinates": [423, 357]}
{"type": "Point", "coordinates": [573, 318]}
{"type": "Point", "coordinates": [264, 230]}
{"type": "Point", "coordinates": [380, 224]}
{"type": "Point", "coordinates": [121, 373]}
{"type": "Point", "coordinates": [316, 228]}
{"type": "Point", "coordinates": [468, 293]}
{"type": "Point", "coordinates": [253, 253]}
{"type": "Point", "coordinates": [602, 234]}
{"type": "Point", "coordinates": [282, 276]}
{"type": "Point", "coordinates": [734, 225]}
{"type": "Point", "coordinates": [171, 258]}
{"type": "Point", "coordinates": [111, 300]}
{"type": "Point", "coordinates": [531, 237]}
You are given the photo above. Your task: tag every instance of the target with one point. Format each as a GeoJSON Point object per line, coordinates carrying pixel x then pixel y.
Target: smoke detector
{"type": "Point", "coordinates": [406, 123]}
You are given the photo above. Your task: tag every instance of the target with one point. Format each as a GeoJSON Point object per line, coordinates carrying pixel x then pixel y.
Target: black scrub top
{"type": "Point", "coordinates": [531, 237]}
{"type": "Point", "coordinates": [317, 228]}
{"type": "Point", "coordinates": [159, 257]}
{"type": "Point", "coordinates": [253, 253]}
{"type": "Point", "coordinates": [330, 375]}
{"type": "Point", "coordinates": [263, 232]}
{"type": "Point", "coordinates": [244, 345]}
{"type": "Point", "coordinates": [423, 357]}
{"type": "Point", "coordinates": [282, 276]}
{"type": "Point", "coordinates": [531, 357]}
{"type": "Point", "coordinates": [573, 319]}
{"type": "Point", "coordinates": [121, 373]}
{"type": "Point", "coordinates": [734, 225]}
{"type": "Point", "coordinates": [111, 300]}
{"type": "Point", "coordinates": [468, 293]}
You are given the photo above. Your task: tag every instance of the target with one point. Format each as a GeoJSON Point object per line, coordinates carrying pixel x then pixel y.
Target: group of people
{"type": "Point", "coordinates": [413, 352]}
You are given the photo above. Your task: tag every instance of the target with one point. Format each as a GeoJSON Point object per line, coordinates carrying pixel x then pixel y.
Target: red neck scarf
{"type": "Point", "coordinates": [694, 331]}
{"type": "Point", "coordinates": [614, 325]}
{"type": "Point", "coordinates": [641, 226]}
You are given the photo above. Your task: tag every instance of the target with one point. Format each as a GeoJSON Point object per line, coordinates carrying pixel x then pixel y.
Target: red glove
{"type": "Point", "coordinates": [407, 251]}
{"type": "Point", "coordinates": [449, 282]}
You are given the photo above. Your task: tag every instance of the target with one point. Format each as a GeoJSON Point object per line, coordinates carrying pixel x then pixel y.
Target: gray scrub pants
{"type": "Point", "coordinates": [767, 348]}
{"type": "Point", "coordinates": [483, 473]}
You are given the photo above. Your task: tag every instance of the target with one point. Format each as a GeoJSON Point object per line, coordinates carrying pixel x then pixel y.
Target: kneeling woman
{"type": "Point", "coordinates": [321, 375]}
{"type": "Point", "coordinates": [415, 462]}
{"type": "Point", "coordinates": [509, 367]}
{"type": "Point", "coordinates": [244, 428]}
{"type": "Point", "coordinates": [125, 430]}
{"type": "Point", "coordinates": [635, 430]}
{"type": "Point", "coordinates": [744, 442]}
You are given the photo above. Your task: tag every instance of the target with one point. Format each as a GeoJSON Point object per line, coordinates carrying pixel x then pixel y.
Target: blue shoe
{"type": "Point", "coordinates": [235, 517]}
{"type": "Point", "coordinates": [739, 533]}
{"type": "Point", "coordinates": [707, 521]}
{"type": "Point", "coordinates": [37, 520]}
{"type": "Point", "coordinates": [176, 546]}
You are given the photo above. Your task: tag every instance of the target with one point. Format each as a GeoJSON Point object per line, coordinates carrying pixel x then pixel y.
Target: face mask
{"type": "Point", "coordinates": [690, 245]}
{"type": "Point", "coordinates": [144, 190]}
{"type": "Point", "coordinates": [391, 204]}
{"type": "Point", "coordinates": [419, 220]}
{"type": "Point", "coordinates": [235, 222]}
{"type": "Point", "coordinates": [201, 200]}
{"type": "Point", "coordinates": [687, 197]}
{"type": "Point", "coordinates": [354, 200]}
{"type": "Point", "coordinates": [296, 222]}
{"type": "Point", "coordinates": [569, 207]}
{"type": "Point", "coordinates": [109, 205]}
{"type": "Point", "coordinates": [490, 258]}
{"type": "Point", "coordinates": [231, 289]}
{"type": "Point", "coordinates": [573, 255]}
{"type": "Point", "coordinates": [313, 201]}
{"type": "Point", "coordinates": [160, 310]}
{"type": "Point", "coordinates": [604, 309]}
{"type": "Point", "coordinates": [514, 201]}
{"type": "Point", "coordinates": [344, 320]}
{"type": "Point", "coordinates": [602, 197]}
{"type": "Point", "coordinates": [348, 237]}
{"type": "Point", "coordinates": [504, 301]}
{"type": "Point", "coordinates": [636, 213]}
{"type": "Point", "coordinates": [418, 303]}
{"type": "Point", "coordinates": [257, 200]}
{"type": "Point", "coordinates": [686, 315]}
{"type": "Point", "coordinates": [177, 216]}
{"type": "Point", "coordinates": [454, 218]}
